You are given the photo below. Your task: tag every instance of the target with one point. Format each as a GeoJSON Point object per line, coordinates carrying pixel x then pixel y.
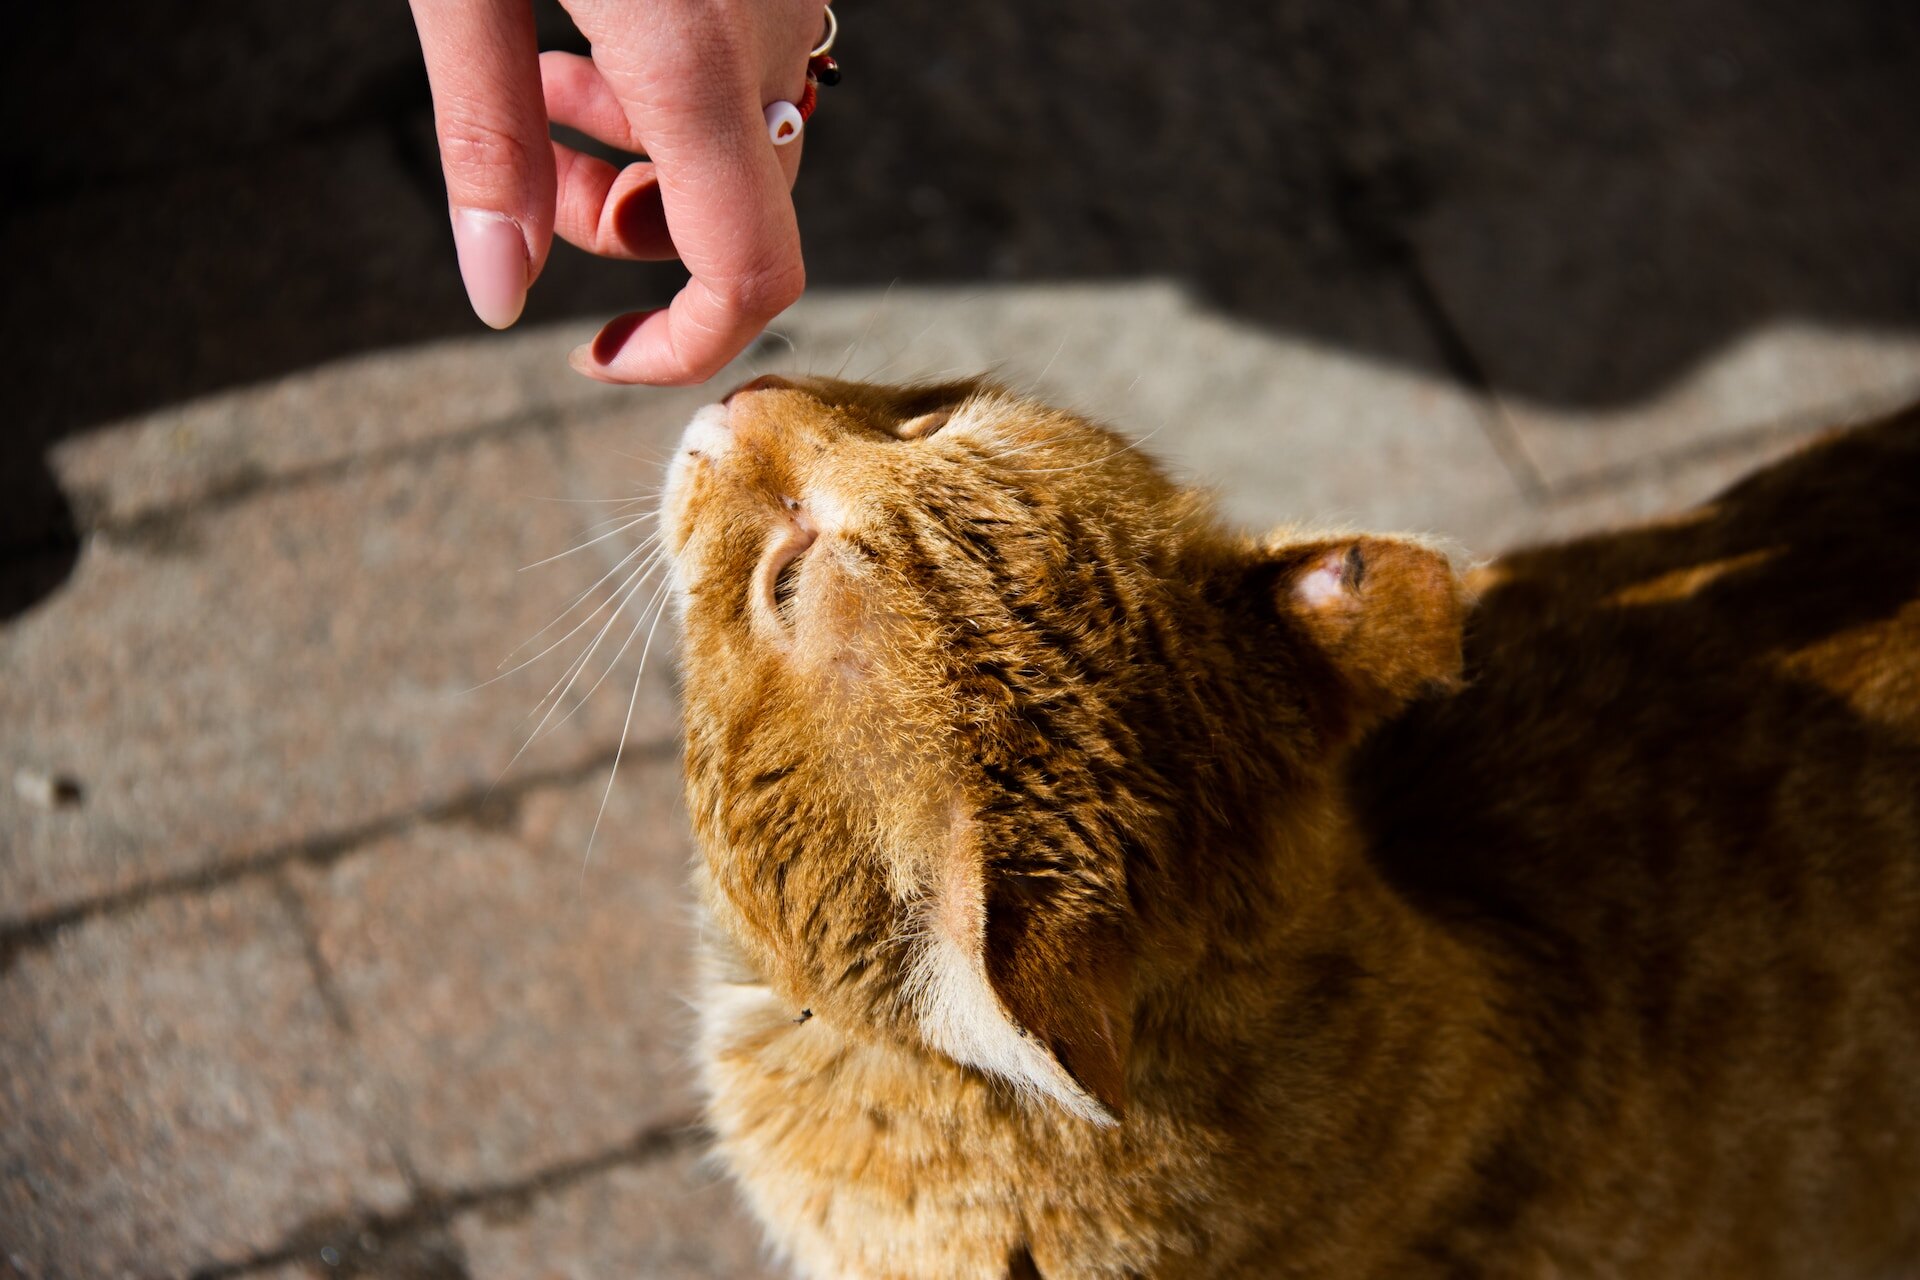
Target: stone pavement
{"type": "Point", "coordinates": [297, 976]}
{"type": "Point", "coordinates": [296, 981]}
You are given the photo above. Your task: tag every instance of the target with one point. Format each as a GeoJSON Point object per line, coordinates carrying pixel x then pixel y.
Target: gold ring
{"type": "Point", "coordinates": [826, 40]}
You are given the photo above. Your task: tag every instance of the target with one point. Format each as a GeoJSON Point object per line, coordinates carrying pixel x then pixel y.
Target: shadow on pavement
{"type": "Point", "coordinates": [1583, 199]}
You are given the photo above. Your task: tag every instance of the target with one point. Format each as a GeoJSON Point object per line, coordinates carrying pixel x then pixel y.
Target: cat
{"type": "Point", "coordinates": [1092, 890]}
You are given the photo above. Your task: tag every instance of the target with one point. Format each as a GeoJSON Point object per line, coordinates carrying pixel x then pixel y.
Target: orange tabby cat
{"type": "Point", "coordinates": [1097, 891]}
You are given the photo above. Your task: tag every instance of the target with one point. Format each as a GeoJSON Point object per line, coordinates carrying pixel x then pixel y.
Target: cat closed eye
{"type": "Point", "coordinates": [785, 583]}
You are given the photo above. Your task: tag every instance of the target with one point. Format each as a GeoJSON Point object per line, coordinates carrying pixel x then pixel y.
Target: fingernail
{"type": "Point", "coordinates": [493, 264]}
{"type": "Point", "coordinates": [592, 358]}
{"type": "Point", "coordinates": [613, 335]}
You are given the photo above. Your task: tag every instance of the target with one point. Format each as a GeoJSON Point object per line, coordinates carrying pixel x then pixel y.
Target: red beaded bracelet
{"type": "Point", "coordinates": [785, 120]}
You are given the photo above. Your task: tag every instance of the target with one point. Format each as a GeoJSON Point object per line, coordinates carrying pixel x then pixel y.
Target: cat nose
{"type": "Point", "coordinates": [765, 382]}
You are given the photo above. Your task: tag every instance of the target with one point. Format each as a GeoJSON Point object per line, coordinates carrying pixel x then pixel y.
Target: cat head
{"type": "Point", "coordinates": [974, 694]}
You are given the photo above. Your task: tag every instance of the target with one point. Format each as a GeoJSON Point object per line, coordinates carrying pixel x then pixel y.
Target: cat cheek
{"type": "Point", "coordinates": [833, 634]}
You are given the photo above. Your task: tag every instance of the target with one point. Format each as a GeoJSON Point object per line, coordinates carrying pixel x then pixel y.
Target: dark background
{"type": "Point", "coordinates": [204, 193]}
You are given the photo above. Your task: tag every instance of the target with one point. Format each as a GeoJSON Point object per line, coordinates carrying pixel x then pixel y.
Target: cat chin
{"type": "Point", "coordinates": [707, 439]}
{"type": "Point", "coordinates": [707, 434]}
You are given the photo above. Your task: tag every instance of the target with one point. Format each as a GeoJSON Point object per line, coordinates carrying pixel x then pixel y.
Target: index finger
{"type": "Point", "coordinates": [491, 120]}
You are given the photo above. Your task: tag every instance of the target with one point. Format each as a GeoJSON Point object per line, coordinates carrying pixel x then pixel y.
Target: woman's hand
{"type": "Point", "coordinates": [685, 82]}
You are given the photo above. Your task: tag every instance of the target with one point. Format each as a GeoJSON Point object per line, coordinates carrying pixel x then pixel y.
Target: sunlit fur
{"type": "Point", "coordinates": [1064, 919]}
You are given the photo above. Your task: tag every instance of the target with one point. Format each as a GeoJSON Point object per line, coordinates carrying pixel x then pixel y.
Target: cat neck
{"type": "Point", "coordinates": [1289, 901]}
{"type": "Point", "coordinates": [1316, 1014]}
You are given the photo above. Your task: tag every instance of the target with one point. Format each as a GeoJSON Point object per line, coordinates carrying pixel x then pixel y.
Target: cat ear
{"type": "Point", "coordinates": [1013, 989]}
{"type": "Point", "coordinates": [1386, 614]}
{"type": "Point", "coordinates": [1069, 990]}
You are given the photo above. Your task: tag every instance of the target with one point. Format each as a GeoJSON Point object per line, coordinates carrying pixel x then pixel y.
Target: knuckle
{"type": "Point", "coordinates": [766, 290]}
{"type": "Point", "coordinates": [474, 152]}
{"type": "Point", "coordinates": [686, 368]}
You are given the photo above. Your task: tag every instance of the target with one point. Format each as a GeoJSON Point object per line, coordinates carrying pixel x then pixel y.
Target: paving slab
{"type": "Point", "coordinates": [519, 1005]}
{"type": "Point", "coordinates": [670, 1217]}
{"type": "Point", "coordinates": [427, 1253]}
{"type": "Point", "coordinates": [674, 1219]}
{"type": "Point", "coordinates": [1587, 288]}
{"type": "Point", "coordinates": [1080, 140]}
{"type": "Point", "coordinates": [346, 412]}
{"type": "Point", "coordinates": [269, 641]}
{"type": "Point", "coordinates": [1655, 489]}
{"type": "Point", "coordinates": [1500, 89]}
{"type": "Point", "coordinates": [1783, 378]}
{"type": "Point", "coordinates": [203, 277]}
{"type": "Point", "coordinates": [214, 78]}
{"type": "Point", "coordinates": [174, 1092]}
{"type": "Point", "coordinates": [293, 667]}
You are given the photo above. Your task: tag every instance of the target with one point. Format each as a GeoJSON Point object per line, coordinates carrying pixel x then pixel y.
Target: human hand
{"type": "Point", "coordinates": [685, 82]}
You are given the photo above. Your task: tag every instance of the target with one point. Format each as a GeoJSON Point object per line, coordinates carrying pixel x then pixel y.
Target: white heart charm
{"type": "Point", "coordinates": [784, 122]}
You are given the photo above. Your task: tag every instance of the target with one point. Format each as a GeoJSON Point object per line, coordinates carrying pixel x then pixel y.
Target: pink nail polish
{"type": "Point", "coordinates": [613, 335]}
{"type": "Point", "coordinates": [493, 263]}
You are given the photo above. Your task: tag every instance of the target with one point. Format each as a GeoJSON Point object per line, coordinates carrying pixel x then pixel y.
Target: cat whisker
{"type": "Point", "coordinates": [1019, 449]}
{"type": "Point", "coordinates": [588, 695]}
{"type": "Point", "coordinates": [563, 639]}
{"type": "Point", "coordinates": [865, 332]}
{"type": "Point", "coordinates": [649, 540]}
{"type": "Point", "coordinates": [626, 726]}
{"type": "Point", "coordinates": [641, 516]}
{"type": "Point", "coordinates": [637, 497]}
{"type": "Point", "coordinates": [1091, 462]}
{"type": "Point", "coordinates": [584, 545]}
{"type": "Point", "coordinates": [625, 502]}
{"type": "Point", "coordinates": [914, 341]}
{"type": "Point", "coordinates": [549, 702]}
{"type": "Point", "coordinates": [552, 702]}
{"type": "Point", "coordinates": [646, 459]}
{"type": "Point", "coordinates": [1048, 366]}
{"type": "Point", "coordinates": [1032, 446]}
{"type": "Point", "coordinates": [776, 334]}
{"type": "Point", "coordinates": [643, 503]}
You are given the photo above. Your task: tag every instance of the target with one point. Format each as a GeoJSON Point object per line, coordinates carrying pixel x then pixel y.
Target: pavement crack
{"type": "Point", "coordinates": [247, 482]}
{"type": "Point", "coordinates": [1373, 207]}
{"type": "Point", "coordinates": [418, 1241]}
{"type": "Point", "coordinates": [295, 905]}
{"type": "Point", "coordinates": [163, 523]}
{"type": "Point", "coordinates": [1829, 418]}
{"type": "Point", "coordinates": [1465, 366]}
{"type": "Point", "coordinates": [480, 806]}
